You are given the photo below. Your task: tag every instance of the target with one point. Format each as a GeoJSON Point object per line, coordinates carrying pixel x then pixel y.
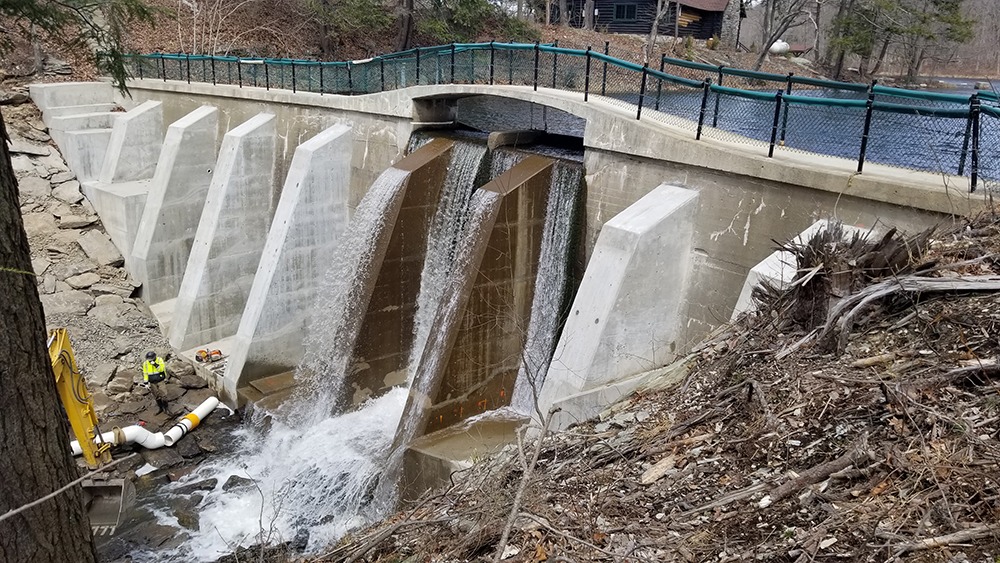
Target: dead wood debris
{"type": "Point", "coordinates": [854, 417]}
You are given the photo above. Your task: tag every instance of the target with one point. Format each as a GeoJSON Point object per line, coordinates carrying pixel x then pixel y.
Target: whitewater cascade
{"type": "Point", "coordinates": [551, 286]}
{"type": "Point", "coordinates": [323, 474]}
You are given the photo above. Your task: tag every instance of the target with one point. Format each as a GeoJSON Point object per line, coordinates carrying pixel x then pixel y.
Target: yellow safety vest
{"type": "Point", "coordinates": [154, 368]}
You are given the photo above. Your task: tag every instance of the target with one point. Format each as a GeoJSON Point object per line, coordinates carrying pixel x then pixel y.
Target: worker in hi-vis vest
{"type": "Point", "coordinates": [154, 376]}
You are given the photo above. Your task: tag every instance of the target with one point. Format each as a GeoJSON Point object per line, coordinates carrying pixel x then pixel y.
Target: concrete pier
{"type": "Point", "coordinates": [134, 146]}
{"type": "Point", "coordinates": [626, 316]}
{"type": "Point", "coordinates": [174, 205]}
{"type": "Point", "coordinates": [310, 218]}
{"type": "Point", "coordinates": [229, 239]}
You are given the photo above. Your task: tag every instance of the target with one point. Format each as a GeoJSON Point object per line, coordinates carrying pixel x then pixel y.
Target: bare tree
{"type": "Point", "coordinates": [779, 17]}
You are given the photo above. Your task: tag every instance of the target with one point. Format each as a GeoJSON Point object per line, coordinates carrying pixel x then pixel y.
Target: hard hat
{"type": "Point", "coordinates": [151, 355]}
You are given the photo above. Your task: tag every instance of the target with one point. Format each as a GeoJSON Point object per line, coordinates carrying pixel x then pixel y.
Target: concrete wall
{"type": "Point", "coordinates": [174, 205]}
{"type": "Point", "coordinates": [310, 219]}
{"type": "Point", "coordinates": [627, 314]}
{"type": "Point", "coordinates": [378, 139]}
{"type": "Point", "coordinates": [230, 237]}
{"type": "Point", "coordinates": [134, 147]}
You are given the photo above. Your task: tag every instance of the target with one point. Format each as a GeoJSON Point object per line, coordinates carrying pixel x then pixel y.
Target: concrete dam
{"type": "Point", "coordinates": [346, 251]}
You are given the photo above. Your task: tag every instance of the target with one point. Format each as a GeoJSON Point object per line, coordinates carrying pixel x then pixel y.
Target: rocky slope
{"type": "Point", "coordinates": [855, 417]}
{"type": "Point", "coordinates": [84, 287]}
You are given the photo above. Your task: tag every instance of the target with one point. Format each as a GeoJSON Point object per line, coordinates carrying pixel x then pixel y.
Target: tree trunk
{"type": "Point", "coordinates": [404, 25]}
{"type": "Point", "coordinates": [881, 57]}
{"type": "Point", "coordinates": [661, 7]}
{"type": "Point", "coordinates": [34, 432]}
{"type": "Point", "coordinates": [838, 31]}
{"type": "Point", "coordinates": [563, 13]}
{"type": "Point", "coordinates": [548, 12]}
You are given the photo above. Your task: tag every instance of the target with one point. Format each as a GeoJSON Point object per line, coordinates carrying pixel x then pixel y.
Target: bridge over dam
{"type": "Point", "coordinates": [337, 246]}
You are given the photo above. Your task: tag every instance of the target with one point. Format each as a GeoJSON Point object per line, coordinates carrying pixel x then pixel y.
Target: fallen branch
{"type": "Point", "coordinates": [813, 475]}
{"type": "Point", "coordinates": [976, 533]}
{"type": "Point", "coordinates": [525, 479]}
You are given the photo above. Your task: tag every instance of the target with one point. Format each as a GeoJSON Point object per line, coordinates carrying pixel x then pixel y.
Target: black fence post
{"type": "Point", "coordinates": [774, 124]}
{"type": "Point", "coordinates": [974, 174]}
{"type": "Point", "coordinates": [350, 79]}
{"type": "Point", "coordinates": [492, 61]}
{"type": "Point", "coordinates": [180, 67]}
{"type": "Point", "coordinates": [659, 81]}
{"type": "Point", "coordinates": [966, 138]}
{"type": "Point", "coordinates": [555, 58]}
{"type": "Point", "coordinates": [869, 109]}
{"type": "Point", "coordinates": [239, 71]}
{"type": "Point", "coordinates": [320, 78]}
{"type": "Point", "coordinates": [642, 90]}
{"type": "Point", "coordinates": [213, 70]}
{"type": "Point", "coordinates": [705, 89]}
{"type": "Point", "coordinates": [537, 52]}
{"type": "Point", "coordinates": [586, 79]}
{"type": "Point", "coordinates": [784, 118]}
{"type": "Point", "coordinates": [604, 76]}
{"type": "Point", "coordinates": [163, 66]}
{"type": "Point", "coordinates": [293, 77]}
{"type": "Point", "coordinates": [267, 75]}
{"type": "Point", "coordinates": [381, 72]}
{"type": "Point", "coordinates": [510, 66]}
{"type": "Point", "coordinates": [139, 65]}
{"type": "Point", "coordinates": [718, 96]}
{"type": "Point", "coordinates": [452, 81]}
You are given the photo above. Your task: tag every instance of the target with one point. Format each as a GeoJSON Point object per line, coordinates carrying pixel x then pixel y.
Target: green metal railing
{"type": "Point", "coordinates": [940, 132]}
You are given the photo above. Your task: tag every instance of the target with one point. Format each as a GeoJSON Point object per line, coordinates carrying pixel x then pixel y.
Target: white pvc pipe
{"type": "Point", "coordinates": [151, 441]}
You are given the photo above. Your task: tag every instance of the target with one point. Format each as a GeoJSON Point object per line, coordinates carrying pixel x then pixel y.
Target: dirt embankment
{"type": "Point", "coordinates": [855, 417]}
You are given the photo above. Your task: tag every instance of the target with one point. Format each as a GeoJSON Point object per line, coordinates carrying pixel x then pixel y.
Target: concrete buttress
{"type": "Point", "coordinates": [174, 204]}
{"type": "Point", "coordinates": [311, 216]}
{"type": "Point", "coordinates": [230, 237]}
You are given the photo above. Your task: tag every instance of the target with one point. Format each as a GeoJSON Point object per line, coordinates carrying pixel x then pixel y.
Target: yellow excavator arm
{"type": "Point", "coordinates": [76, 400]}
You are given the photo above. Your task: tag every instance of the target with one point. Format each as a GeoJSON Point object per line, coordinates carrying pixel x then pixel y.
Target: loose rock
{"type": "Point", "coordinates": [34, 187]}
{"type": "Point", "coordinates": [84, 281]}
{"type": "Point", "coordinates": [237, 483]}
{"type": "Point", "coordinates": [68, 192]}
{"type": "Point", "coordinates": [100, 249]}
{"type": "Point", "coordinates": [70, 302]}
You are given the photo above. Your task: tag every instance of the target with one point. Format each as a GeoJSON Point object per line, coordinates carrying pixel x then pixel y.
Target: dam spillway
{"type": "Point", "coordinates": [388, 296]}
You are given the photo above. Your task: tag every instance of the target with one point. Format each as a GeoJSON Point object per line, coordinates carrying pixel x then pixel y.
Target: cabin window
{"type": "Point", "coordinates": [625, 12]}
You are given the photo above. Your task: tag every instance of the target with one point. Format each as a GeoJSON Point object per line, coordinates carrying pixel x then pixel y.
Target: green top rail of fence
{"type": "Point", "coordinates": [457, 48]}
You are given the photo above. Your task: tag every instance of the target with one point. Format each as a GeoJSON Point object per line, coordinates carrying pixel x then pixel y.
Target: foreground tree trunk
{"type": "Point", "coordinates": [34, 432]}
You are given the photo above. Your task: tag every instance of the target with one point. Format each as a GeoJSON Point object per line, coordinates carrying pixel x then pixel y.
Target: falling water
{"type": "Point", "coordinates": [425, 364]}
{"type": "Point", "coordinates": [551, 285]}
{"type": "Point", "coordinates": [311, 471]}
{"type": "Point", "coordinates": [446, 228]}
{"type": "Point", "coordinates": [335, 325]}
{"type": "Point", "coordinates": [502, 160]}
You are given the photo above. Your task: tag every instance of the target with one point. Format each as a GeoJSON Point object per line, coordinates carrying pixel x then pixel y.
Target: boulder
{"type": "Point", "coordinates": [76, 221]}
{"type": "Point", "coordinates": [70, 302]}
{"type": "Point", "coordinates": [23, 165]}
{"type": "Point", "coordinates": [66, 269]}
{"type": "Point", "coordinates": [34, 187]}
{"type": "Point", "coordinates": [13, 98]}
{"type": "Point", "coordinates": [84, 281]}
{"type": "Point", "coordinates": [163, 458]}
{"type": "Point", "coordinates": [21, 146]}
{"type": "Point", "coordinates": [133, 407]}
{"type": "Point", "coordinates": [102, 374]}
{"type": "Point", "coordinates": [195, 397]}
{"type": "Point", "coordinates": [103, 300]}
{"type": "Point", "coordinates": [39, 225]}
{"type": "Point", "coordinates": [180, 368]}
{"type": "Point", "coordinates": [68, 192]}
{"type": "Point", "coordinates": [108, 288]}
{"type": "Point", "coordinates": [203, 485]}
{"type": "Point", "coordinates": [64, 241]}
{"type": "Point", "coordinates": [173, 391]}
{"type": "Point", "coordinates": [188, 449]}
{"type": "Point", "coordinates": [49, 284]}
{"type": "Point", "coordinates": [115, 317]}
{"type": "Point", "coordinates": [191, 381]}
{"type": "Point", "coordinates": [62, 177]}
{"type": "Point", "coordinates": [100, 249]}
{"type": "Point", "coordinates": [237, 483]}
{"type": "Point", "coordinates": [123, 381]}
{"type": "Point", "coordinates": [39, 265]}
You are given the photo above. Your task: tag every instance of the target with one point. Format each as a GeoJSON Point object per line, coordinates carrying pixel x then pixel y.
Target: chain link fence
{"type": "Point", "coordinates": [945, 133]}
